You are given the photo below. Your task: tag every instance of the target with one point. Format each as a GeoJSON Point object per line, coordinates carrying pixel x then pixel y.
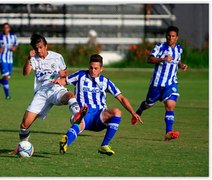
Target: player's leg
{"type": "Point", "coordinates": [112, 119]}
{"type": "Point", "coordinates": [169, 118]}
{"type": "Point", "coordinates": [170, 96]}
{"type": "Point", "coordinates": [38, 108]}
{"type": "Point", "coordinates": [70, 136]}
{"type": "Point", "coordinates": [24, 133]}
{"type": "Point", "coordinates": [28, 119]}
{"type": "Point", "coordinates": [152, 96]}
{"type": "Point", "coordinates": [5, 80]}
{"type": "Point", "coordinates": [78, 113]}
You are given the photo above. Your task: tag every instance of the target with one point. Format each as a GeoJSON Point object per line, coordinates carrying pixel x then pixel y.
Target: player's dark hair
{"type": "Point", "coordinates": [5, 24]}
{"type": "Point", "coordinates": [96, 58]}
{"type": "Point", "coordinates": [172, 28]}
{"type": "Point", "coordinates": [37, 38]}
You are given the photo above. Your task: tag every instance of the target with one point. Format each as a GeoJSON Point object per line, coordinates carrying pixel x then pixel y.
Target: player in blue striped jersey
{"type": "Point", "coordinates": [164, 85]}
{"type": "Point", "coordinates": [8, 44]}
{"type": "Point", "coordinates": [90, 90]}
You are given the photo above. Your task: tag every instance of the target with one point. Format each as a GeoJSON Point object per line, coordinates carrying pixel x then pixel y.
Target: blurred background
{"type": "Point", "coordinates": [123, 34]}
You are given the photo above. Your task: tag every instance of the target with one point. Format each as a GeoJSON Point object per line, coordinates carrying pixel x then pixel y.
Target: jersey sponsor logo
{"type": "Point", "coordinates": [40, 74]}
{"type": "Point", "coordinates": [92, 90]}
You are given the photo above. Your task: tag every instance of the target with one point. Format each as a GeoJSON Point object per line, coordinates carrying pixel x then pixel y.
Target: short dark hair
{"type": "Point", "coordinates": [5, 24]}
{"type": "Point", "coordinates": [172, 28]}
{"type": "Point", "coordinates": [96, 58]}
{"type": "Point", "coordinates": [37, 38]}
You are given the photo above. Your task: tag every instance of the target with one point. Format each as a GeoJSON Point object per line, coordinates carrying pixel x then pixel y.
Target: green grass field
{"type": "Point", "coordinates": [140, 150]}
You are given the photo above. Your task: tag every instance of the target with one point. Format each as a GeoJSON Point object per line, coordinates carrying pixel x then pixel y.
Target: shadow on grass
{"type": "Point", "coordinates": [5, 154]}
{"type": "Point", "coordinates": [40, 132]}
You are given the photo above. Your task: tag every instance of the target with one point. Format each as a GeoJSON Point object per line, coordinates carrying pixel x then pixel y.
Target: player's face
{"type": "Point", "coordinates": [172, 38]}
{"type": "Point", "coordinates": [6, 29]}
{"type": "Point", "coordinates": [95, 69]}
{"type": "Point", "coordinates": [41, 49]}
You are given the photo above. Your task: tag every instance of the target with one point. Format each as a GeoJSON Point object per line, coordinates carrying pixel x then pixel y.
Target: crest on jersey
{"type": "Point", "coordinates": [174, 89]}
{"type": "Point", "coordinates": [53, 66]}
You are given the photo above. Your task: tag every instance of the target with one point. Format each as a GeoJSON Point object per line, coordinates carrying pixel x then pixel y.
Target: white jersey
{"type": "Point", "coordinates": [46, 69]}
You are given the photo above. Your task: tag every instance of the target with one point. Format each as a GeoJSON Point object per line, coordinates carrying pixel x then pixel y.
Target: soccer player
{"type": "Point", "coordinates": [47, 65]}
{"type": "Point", "coordinates": [164, 85]}
{"type": "Point", "coordinates": [90, 89]}
{"type": "Point", "coordinates": [8, 44]}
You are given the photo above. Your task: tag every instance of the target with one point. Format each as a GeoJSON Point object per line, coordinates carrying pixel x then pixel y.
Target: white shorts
{"type": "Point", "coordinates": [45, 98]}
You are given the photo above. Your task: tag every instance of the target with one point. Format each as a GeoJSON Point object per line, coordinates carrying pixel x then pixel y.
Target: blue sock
{"type": "Point", "coordinates": [169, 119]}
{"type": "Point", "coordinates": [72, 133]}
{"type": "Point", "coordinates": [112, 127]}
{"type": "Point", "coordinates": [141, 108]}
{"type": "Point", "coordinates": [5, 84]}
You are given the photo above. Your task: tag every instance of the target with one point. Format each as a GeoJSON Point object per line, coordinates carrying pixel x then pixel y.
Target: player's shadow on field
{"type": "Point", "coordinates": [39, 132]}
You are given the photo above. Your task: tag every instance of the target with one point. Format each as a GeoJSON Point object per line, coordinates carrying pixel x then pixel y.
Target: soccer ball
{"type": "Point", "coordinates": [25, 149]}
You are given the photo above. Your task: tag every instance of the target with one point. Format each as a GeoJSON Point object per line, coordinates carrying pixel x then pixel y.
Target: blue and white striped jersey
{"type": "Point", "coordinates": [7, 41]}
{"type": "Point", "coordinates": [165, 73]}
{"type": "Point", "coordinates": [92, 91]}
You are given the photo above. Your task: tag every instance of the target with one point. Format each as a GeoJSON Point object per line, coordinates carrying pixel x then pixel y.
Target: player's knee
{"type": "Point", "coordinates": [6, 77]}
{"type": "Point", "coordinates": [69, 95]}
{"type": "Point", "coordinates": [116, 112]}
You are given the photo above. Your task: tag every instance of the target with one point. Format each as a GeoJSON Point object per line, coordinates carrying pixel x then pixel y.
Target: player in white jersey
{"type": "Point", "coordinates": [8, 44]}
{"type": "Point", "coordinates": [47, 65]}
{"type": "Point", "coordinates": [91, 89]}
{"type": "Point", "coordinates": [163, 86]}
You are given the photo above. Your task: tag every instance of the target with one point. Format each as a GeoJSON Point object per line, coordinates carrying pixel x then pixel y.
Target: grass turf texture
{"type": "Point", "coordinates": [140, 150]}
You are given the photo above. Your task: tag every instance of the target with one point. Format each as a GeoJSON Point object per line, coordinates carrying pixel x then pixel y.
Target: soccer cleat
{"type": "Point", "coordinates": [80, 115]}
{"type": "Point", "coordinates": [106, 150]}
{"type": "Point", "coordinates": [8, 98]}
{"type": "Point", "coordinates": [171, 135]}
{"type": "Point", "coordinates": [63, 144]}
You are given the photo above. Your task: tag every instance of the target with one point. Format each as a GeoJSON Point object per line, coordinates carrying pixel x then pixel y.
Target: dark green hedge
{"type": "Point", "coordinates": [136, 55]}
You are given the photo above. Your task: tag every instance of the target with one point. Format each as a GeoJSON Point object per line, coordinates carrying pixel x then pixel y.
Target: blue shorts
{"type": "Point", "coordinates": [6, 69]}
{"type": "Point", "coordinates": [162, 94]}
{"type": "Point", "coordinates": [93, 120]}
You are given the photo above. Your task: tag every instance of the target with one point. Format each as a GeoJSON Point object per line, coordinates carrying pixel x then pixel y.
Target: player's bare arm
{"type": "Point", "coordinates": [13, 48]}
{"type": "Point", "coordinates": [64, 73]}
{"type": "Point", "coordinates": [1, 49]}
{"type": "Point", "coordinates": [182, 66]}
{"type": "Point", "coordinates": [27, 66]}
{"type": "Point", "coordinates": [154, 60]}
{"type": "Point", "coordinates": [126, 104]}
{"type": "Point", "coordinates": [60, 81]}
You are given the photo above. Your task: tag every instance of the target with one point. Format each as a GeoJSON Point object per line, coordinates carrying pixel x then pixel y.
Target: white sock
{"type": "Point", "coordinates": [73, 106]}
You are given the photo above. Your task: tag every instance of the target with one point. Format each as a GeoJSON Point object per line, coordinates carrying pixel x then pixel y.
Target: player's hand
{"type": "Point", "coordinates": [32, 53]}
{"type": "Point", "coordinates": [135, 119]}
{"type": "Point", "coordinates": [1, 49]}
{"type": "Point", "coordinates": [168, 58]}
{"type": "Point", "coordinates": [184, 67]}
{"type": "Point", "coordinates": [63, 73]}
{"type": "Point", "coordinates": [13, 48]}
{"type": "Point", "coordinates": [60, 81]}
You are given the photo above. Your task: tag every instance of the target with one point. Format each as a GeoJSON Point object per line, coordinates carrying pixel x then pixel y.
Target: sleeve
{"type": "Point", "coordinates": [156, 50]}
{"type": "Point", "coordinates": [15, 41]}
{"type": "Point", "coordinates": [111, 88]}
{"type": "Point", "coordinates": [73, 78]}
{"type": "Point", "coordinates": [34, 63]}
{"type": "Point", "coordinates": [62, 64]}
